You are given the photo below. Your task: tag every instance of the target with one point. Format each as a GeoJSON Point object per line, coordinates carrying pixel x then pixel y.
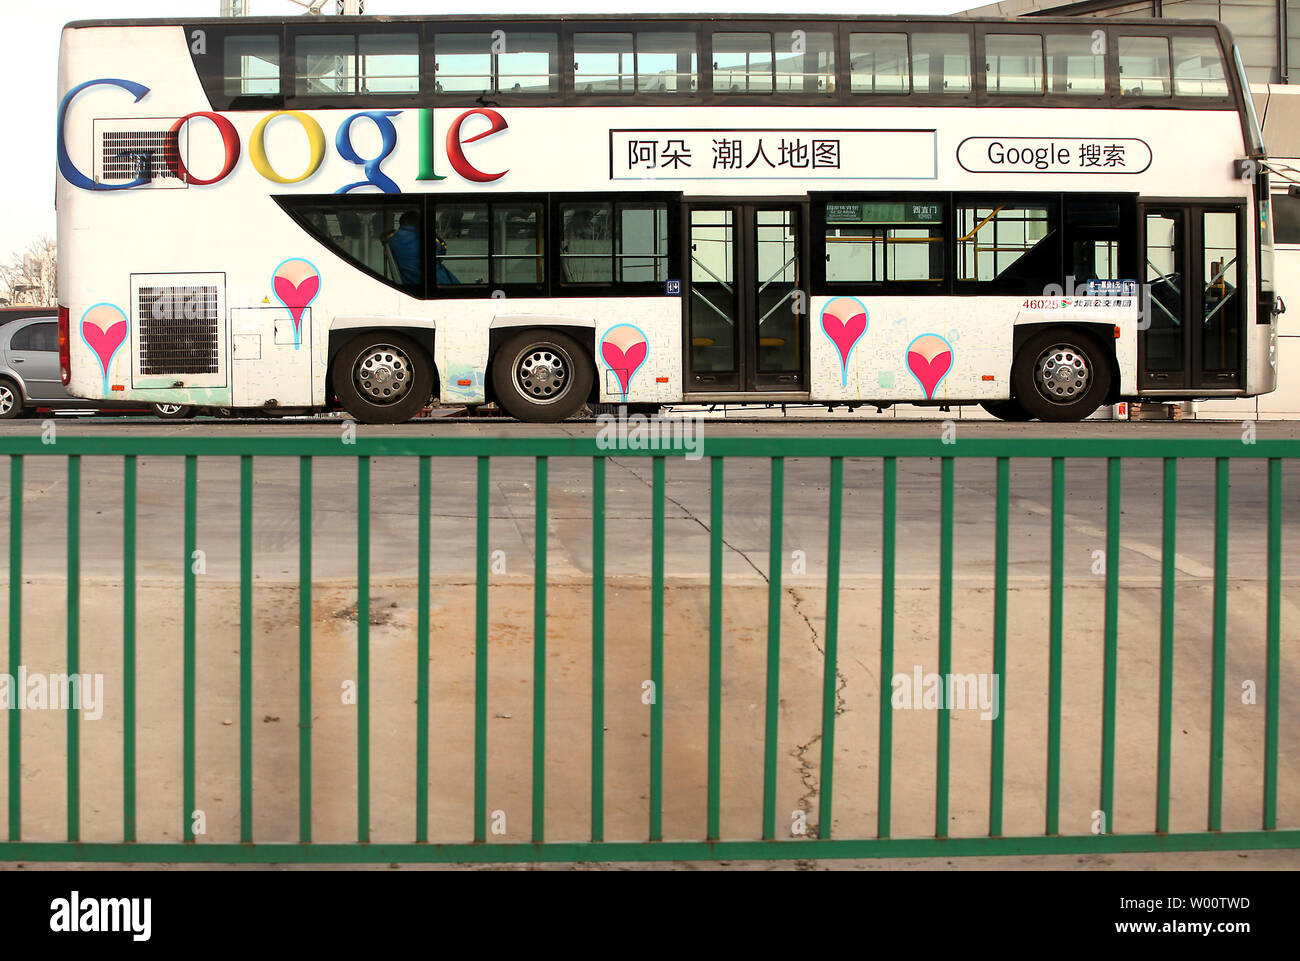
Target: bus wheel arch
{"type": "Point", "coordinates": [381, 375]}
{"type": "Point", "coordinates": [542, 374]}
{"type": "Point", "coordinates": [423, 338]}
{"type": "Point", "coordinates": [1063, 372]}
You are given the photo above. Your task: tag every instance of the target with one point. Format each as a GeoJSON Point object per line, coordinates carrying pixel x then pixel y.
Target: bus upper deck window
{"type": "Point", "coordinates": [1198, 68]}
{"type": "Point", "coordinates": [348, 64]}
{"type": "Point", "coordinates": [463, 63]}
{"type": "Point", "coordinates": [388, 63]}
{"type": "Point", "coordinates": [466, 63]}
{"type": "Point", "coordinates": [666, 63]}
{"type": "Point", "coordinates": [529, 64]}
{"type": "Point", "coordinates": [1144, 66]}
{"type": "Point", "coordinates": [603, 63]}
{"type": "Point", "coordinates": [742, 63]}
{"type": "Point", "coordinates": [878, 63]}
{"type": "Point", "coordinates": [805, 64]}
{"type": "Point", "coordinates": [941, 62]}
{"type": "Point", "coordinates": [1013, 63]}
{"type": "Point", "coordinates": [251, 65]}
{"type": "Point", "coordinates": [1076, 64]}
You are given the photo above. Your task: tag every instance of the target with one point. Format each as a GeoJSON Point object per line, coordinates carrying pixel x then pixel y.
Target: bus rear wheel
{"type": "Point", "coordinates": [1060, 375]}
{"type": "Point", "coordinates": [541, 376]}
{"type": "Point", "coordinates": [382, 377]}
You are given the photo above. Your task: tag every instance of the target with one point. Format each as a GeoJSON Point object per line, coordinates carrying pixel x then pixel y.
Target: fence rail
{"type": "Point", "coordinates": [1043, 839]}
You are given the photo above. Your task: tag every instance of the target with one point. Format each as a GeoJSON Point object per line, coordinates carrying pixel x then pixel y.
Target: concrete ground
{"type": "Point", "coordinates": [746, 568]}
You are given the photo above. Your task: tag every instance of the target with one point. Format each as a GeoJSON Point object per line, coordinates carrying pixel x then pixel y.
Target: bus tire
{"type": "Point", "coordinates": [174, 411]}
{"type": "Point", "coordinates": [11, 400]}
{"type": "Point", "coordinates": [541, 376]}
{"type": "Point", "coordinates": [1060, 374]}
{"type": "Point", "coordinates": [382, 377]}
{"type": "Point", "coordinates": [1009, 410]}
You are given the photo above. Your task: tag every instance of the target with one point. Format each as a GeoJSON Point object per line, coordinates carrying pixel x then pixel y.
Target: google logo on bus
{"type": "Point", "coordinates": [257, 154]}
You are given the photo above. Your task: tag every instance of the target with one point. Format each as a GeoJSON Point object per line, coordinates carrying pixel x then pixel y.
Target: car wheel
{"type": "Point", "coordinates": [382, 378]}
{"type": "Point", "coordinates": [174, 411]}
{"type": "Point", "coordinates": [1060, 375]}
{"type": "Point", "coordinates": [11, 400]}
{"type": "Point", "coordinates": [1006, 410]}
{"type": "Point", "coordinates": [541, 376]}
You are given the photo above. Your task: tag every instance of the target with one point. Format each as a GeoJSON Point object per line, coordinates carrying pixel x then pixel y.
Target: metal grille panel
{"type": "Point", "coordinates": [179, 330]}
{"type": "Point", "coordinates": [123, 151]}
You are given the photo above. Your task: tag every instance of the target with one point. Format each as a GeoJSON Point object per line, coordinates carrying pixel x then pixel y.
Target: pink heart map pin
{"type": "Point", "coordinates": [103, 328]}
{"type": "Point", "coordinates": [844, 321]}
{"type": "Point", "coordinates": [624, 349]}
{"type": "Point", "coordinates": [929, 358]}
{"type": "Point", "coordinates": [296, 282]}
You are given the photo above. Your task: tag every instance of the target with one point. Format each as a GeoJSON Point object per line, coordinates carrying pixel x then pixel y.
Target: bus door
{"type": "Point", "coordinates": [747, 306]}
{"type": "Point", "coordinates": [1196, 307]}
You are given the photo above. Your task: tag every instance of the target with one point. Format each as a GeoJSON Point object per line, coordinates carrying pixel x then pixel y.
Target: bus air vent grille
{"type": "Point", "coordinates": [179, 330]}
{"type": "Point", "coordinates": [124, 150]}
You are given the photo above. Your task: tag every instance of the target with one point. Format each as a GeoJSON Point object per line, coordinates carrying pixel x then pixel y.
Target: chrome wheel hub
{"type": "Point", "coordinates": [1062, 374]}
{"type": "Point", "coordinates": [542, 374]}
{"type": "Point", "coordinates": [7, 399]}
{"type": "Point", "coordinates": [383, 374]}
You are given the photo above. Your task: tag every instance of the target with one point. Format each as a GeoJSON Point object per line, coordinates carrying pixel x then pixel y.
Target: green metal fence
{"type": "Point", "coordinates": [1025, 839]}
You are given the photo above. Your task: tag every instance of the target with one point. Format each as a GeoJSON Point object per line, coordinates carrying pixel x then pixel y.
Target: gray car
{"type": "Point", "coordinates": [29, 374]}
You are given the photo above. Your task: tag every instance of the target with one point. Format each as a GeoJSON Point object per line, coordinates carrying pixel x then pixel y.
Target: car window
{"type": "Point", "coordinates": [36, 337]}
{"type": "Point", "coordinates": [22, 338]}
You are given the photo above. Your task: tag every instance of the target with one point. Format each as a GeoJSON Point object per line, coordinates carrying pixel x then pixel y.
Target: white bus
{"type": "Point", "coordinates": [1040, 216]}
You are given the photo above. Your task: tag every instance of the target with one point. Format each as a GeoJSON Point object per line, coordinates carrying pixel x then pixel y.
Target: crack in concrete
{"type": "Point", "coordinates": [688, 514]}
{"type": "Point", "coordinates": [811, 783]}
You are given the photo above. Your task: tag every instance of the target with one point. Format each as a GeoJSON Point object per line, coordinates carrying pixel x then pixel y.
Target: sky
{"type": "Point", "coordinates": [29, 48]}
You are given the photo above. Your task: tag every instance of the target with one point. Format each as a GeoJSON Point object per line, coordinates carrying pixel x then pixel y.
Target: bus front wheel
{"type": "Point", "coordinates": [541, 376]}
{"type": "Point", "coordinates": [382, 378]}
{"type": "Point", "coordinates": [1060, 375]}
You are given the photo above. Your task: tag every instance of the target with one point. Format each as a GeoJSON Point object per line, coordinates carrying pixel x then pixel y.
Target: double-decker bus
{"type": "Point", "coordinates": [1039, 216]}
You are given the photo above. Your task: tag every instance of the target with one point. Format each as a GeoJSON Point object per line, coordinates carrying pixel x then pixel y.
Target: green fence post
{"type": "Point", "coordinates": [889, 498]}
{"type": "Point", "coordinates": [943, 737]}
{"type": "Point", "coordinates": [598, 648]}
{"type": "Point", "coordinates": [715, 648]}
{"type": "Point", "coordinates": [1001, 545]}
{"type": "Point", "coordinates": [128, 645]}
{"type": "Point", "coordinates": [74, 646]}
{"type": "Point", "coordinates": [1167, 561]}
{"type": "Point", "coordinates": [363, 650]}
{"type": "Point", "coordinates": [830, 659]}
{"type": "Point", "coordinates": [1110, 659]}
{"type": "Point", "coordinates": [539, 657]}
{"type": "Point", "coordinates": [481, 651]}
{"type": "Point", "coordinates": [1219, 670]}
{"type": "Point", "coordinates": [658, 496]}
{"type": "Point", "coordinates": [15, 639]}
{"type": "Point", "coordinates": [304, 649]}
{"type": "Point", "coordinates": [771, 725]}
{"type": "Point", "coordinates": [246, 649]}
{"type": "Point", "coordinates": [188, 682]}
{"type": "Point", "coordinates": [1054, 660]}
{"type": "Point", "coordinates": [422, 655]}
{"type": "Point", "coordinates": [1273, 680]}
